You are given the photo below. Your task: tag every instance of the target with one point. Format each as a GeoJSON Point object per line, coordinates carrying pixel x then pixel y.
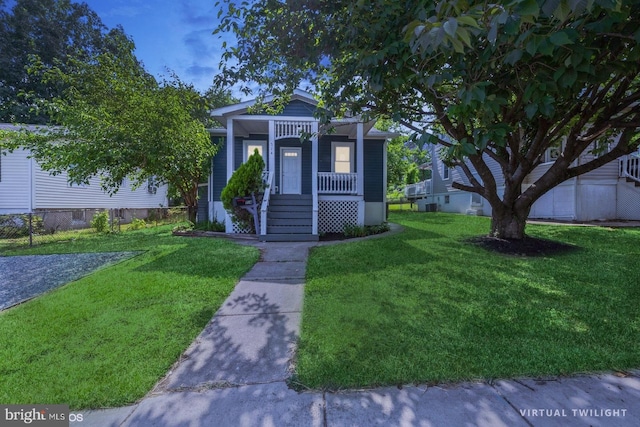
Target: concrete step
{"type": "Point", "coordinates": [284, 237]}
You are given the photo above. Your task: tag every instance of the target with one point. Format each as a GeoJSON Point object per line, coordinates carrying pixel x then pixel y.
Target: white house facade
{"type": "Point", "coordinates": [607, 193]}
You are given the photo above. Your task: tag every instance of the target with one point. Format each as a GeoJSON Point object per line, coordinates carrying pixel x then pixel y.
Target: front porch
{"type": "Point", "coordinates": [315, 182]}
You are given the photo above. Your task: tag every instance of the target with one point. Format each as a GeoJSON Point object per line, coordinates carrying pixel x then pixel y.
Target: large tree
{"type": "Point", "coordinates": [117, 122]}
{"type": "Point", "coordinates": [504, 80]}
{"type": "Point", "coordinates": [53, 30]}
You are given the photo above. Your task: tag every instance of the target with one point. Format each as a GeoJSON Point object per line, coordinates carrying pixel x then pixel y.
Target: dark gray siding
{"type": "Point", "coordinates": [203, 203]}
{"type": "Point", "coordinates": [373, 170]}
{"type": "Point", "coordinates": [299, 108]}
{"type": "Point", "coordinates": [306, 161]}
{"type": "Point", "coordinates": [219, 168]}
{"type": "Point", "coordinates": [239, 146]}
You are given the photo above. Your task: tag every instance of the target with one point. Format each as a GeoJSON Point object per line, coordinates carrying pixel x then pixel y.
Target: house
{"type": "Point", "coordinates": [607, 193]}
{"type": "Point", "coordinates": [336, 177]}
{"type": "Point", "coordinates": [26, 188]}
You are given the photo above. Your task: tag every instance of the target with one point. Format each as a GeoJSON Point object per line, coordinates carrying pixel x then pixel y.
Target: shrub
{"type": "Point", "coordinates": [214, 225]}
{"type": "Point", "coordinates": [101, 222]}
{"type": "Point", "coordinates": [246, 180]}
{"type": "Point", "coordinates": [137, 224]}
{"type": "Point", "coordinates": [351, 230]}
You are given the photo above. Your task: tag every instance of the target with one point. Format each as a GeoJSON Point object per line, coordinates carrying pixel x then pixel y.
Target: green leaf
{"type": "Point", "coordinates": [528, 7]}
{"type": "Point", "coordinates": [468, 20]}
{"type": "Point", "coordinates": [464, 36]}
{"type": "Point", "coordinates": [560, 38]}
{"type": "Point", "coordinates": [450, 27]}
{"type": "Point", "coordinates": [531, 110]}
{"type": "Point", "coordinates": [513, 57]}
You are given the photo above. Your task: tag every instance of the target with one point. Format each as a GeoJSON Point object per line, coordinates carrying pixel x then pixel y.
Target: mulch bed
{"type": "Point", "coordinates": [529, 246]}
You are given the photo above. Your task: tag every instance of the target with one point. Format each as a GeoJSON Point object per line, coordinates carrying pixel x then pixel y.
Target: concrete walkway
{"type": "Point", "coordinates": [234, 374]}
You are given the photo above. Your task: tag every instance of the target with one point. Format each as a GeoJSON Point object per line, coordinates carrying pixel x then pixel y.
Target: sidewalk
{"type": "Point", "coordinates": [234, 374]}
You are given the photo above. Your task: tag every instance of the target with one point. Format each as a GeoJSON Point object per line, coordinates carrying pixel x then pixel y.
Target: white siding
{"type": "Point", "coordinates": [14, 182]}
{"type": "Point", "coordinates": [24, 186]}
{"type": "Point", "coordinates": [54, 192]}
{"type": "Point", "coordinates": [557, 203]}
{"type": "Point", "coordinates": [595, 201]}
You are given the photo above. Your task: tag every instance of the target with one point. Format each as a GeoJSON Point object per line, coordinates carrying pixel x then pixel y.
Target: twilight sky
{"type": "Point", "coordinates": [174, 34]}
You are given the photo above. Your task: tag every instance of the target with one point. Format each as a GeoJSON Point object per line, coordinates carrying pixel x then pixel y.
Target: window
{"type": "Point", "coordinates": [445, 171]}
{"type": "Point", "coordinates": [476, 199]}
{"type": "Point", "coordinates": [342, 157]}
{"type": "Point", "coordinates": [251, 146]}
{"type": "Point", "coordinates": [78, 215]}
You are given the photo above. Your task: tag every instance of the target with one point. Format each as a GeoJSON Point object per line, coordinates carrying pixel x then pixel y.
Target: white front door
{"type": "Point", "coordinates": [291, 170]}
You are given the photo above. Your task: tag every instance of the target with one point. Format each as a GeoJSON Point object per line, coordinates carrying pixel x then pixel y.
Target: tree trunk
{"type": "Point", "coordinates": [192, 212]}
{"type": "Point", "coordinates": [508, 223]}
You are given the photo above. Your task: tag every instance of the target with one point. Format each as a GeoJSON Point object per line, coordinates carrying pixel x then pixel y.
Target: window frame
{"type": "Point", "coordinates": [352, 149]}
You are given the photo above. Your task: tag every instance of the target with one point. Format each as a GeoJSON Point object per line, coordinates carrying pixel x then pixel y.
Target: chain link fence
{"type": "Point", "coordinates": [43, 226]}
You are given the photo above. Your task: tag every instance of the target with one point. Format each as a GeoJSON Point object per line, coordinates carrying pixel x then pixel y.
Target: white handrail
{"type": "Point", "coordinates": [265, 204]}
{"type": "Point", "coordinates": [421, 188]}
{"type": "Point", "coordinates": [630, 167]}
{"type": "Point", "coordinates": [337, 183]}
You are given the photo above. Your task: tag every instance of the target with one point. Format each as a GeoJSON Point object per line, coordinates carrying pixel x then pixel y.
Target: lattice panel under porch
{"type": "Point", "coordinates": [334, 214]}
{"type": "Point", "coordinates": [628, 201]}
{"type": "Point", "coordinates": [240, 230]}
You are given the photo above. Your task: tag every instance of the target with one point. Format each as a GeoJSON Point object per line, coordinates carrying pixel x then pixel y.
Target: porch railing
{"type": "Point", "coordinates": [630, 167]}
{"type": "Point", "coordinates": [419, 189]}
{"type": "Point", "coordinates": [265, 203]}
{"type": "Point", "coordinates": [337, 183]}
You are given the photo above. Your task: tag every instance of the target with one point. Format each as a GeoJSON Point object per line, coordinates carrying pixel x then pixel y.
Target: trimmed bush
{"type": "Point", "coordinates": [246, 180]}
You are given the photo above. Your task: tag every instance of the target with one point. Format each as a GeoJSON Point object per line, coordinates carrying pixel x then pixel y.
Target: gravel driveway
{"type": "Point", "coordinates": [24, 277]}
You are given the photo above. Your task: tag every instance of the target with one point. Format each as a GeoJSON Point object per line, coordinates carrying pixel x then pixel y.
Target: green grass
{"type": "Point", "coordinates": [424, 306]}
{"type": "Point", "coordinates": [107, 338]}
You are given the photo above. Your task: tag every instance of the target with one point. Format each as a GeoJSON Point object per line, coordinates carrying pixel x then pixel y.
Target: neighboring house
{"type": "Point", "coordinates": [26, 188]}
{"type": "Point", "coordinates": [609, 192]}
{"type": "Point", "coordinates": [336, 178]}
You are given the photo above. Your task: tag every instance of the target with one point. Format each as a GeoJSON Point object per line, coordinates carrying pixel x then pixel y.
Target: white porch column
{"type": "Point", "coordinates": [272, 149]}
{"type": "Point", "coordinates": [230, 161]}
{"type": "Point", "coordinates": [360, 157]}
{"type": "Point", "coordinates": [314, 175]}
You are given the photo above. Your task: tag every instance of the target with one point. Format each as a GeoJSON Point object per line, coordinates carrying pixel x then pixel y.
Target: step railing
{"type": "Point", "coordinates": [419, 189]}
{"type": "Point", "coordinates": [337, 183]}
{"type": "Point", "coordinates": [265, 203]}
{"type": "Point", "coordinates": [630, 167]}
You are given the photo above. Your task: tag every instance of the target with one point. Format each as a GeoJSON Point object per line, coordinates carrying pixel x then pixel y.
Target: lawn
{"type": "Point", "coordinates": [106, 339]}
{"type": "Point", "coordinates": [424, 306]}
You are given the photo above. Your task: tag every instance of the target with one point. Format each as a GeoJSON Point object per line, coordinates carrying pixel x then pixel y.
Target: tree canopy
{"type": "Point", "coordinates": [117, 122]}
{"type": "Point", "coordinates": [52, 30]}
{"type": "Point", "coordinates": [504, 80]}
